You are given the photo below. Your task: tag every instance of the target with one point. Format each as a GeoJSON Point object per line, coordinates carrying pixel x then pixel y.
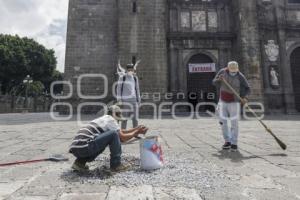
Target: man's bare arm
{"type": "Point", "coordinates": [124, 137]}
{"type": "Point", "coordinates": [132, 129]}
{"type": "Point", "coordinates": [129, 130]}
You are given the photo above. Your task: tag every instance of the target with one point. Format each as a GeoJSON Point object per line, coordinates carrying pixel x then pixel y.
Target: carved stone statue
{"type": "Point", "coordinates": [272, 50]}
{"type": "Point", "coordinates": [274, 78]}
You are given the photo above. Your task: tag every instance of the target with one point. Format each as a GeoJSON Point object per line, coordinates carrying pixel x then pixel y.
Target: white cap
{"type": "Point", "coordinates": [233, 66]}
{"type": "Point", "coordinates": [116, 112]}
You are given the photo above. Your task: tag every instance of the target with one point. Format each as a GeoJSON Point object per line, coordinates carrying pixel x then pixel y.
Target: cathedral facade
{"type": "Point", "coordinates": [182, 44]}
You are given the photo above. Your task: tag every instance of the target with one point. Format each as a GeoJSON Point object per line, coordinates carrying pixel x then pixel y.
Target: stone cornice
{"type": "Point", "coordinates": [201, 35]}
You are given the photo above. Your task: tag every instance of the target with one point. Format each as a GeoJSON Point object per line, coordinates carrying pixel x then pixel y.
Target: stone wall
{"type": "Point", "coordinates": [142, 36]}
{"type": "Point", "coordinates": [101, 32]}
{"type": "Point", "coordinates": [91, 44]}
{"type": "Point", "coordinates": [279, 36]}
{"type": "Point", "coordinates": [248, 45]}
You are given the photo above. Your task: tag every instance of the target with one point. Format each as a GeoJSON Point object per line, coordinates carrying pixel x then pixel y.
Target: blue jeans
{"type": "Point", "coordinates": [98, 145]}
{"type": "Point", "coordinates": [229, 112]}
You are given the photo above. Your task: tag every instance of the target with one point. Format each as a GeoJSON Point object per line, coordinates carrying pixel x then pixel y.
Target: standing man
{"type": "Point", "coordinates": [229, 105]}
{"type": "Point", "coordinates": [100, 133]}
{"type": "Point", "coordinates": [128, 94]}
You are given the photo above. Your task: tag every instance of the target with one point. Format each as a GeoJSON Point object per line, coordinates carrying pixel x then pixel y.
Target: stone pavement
{"type": "Point", "coordinates": [195, 168]}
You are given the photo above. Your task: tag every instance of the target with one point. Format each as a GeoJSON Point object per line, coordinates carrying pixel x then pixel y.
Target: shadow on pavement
{"type": "Point", "coordinates": [278, 155]}
{"type": "Point", "coordinates": [101, 173]}
{"type": "Point", "coordinates": [236, 157]}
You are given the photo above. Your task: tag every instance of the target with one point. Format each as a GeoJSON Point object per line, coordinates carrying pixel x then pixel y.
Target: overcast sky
{"type": "Point", "coordinates": [43, 20]}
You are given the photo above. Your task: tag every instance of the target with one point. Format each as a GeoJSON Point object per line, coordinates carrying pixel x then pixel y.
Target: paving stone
{"type": "Point", "coordinates": [9, 188]}
{"type": "Point", "coordinates": [86, 188]}
{"type": "Point", "coordinates": [48, 179]}
{"type": "Point", "coordinates": [270, 194]}
{"type": "Point", "coordinates": [293, 185]}
{"type": "Point", "coordinates": [20, 173]}
{"type": "Point", "coordinates": [259, 182]}
{"type": "Point", "coordinates": [176, 193]}
{"type": "Point", "coordinates": [144, 192]}
{"type": "Point", "coordinates": [81, 196]}
{"type": "Point", "coordinates": [28, 197]}
{"type": "Point", "coordinates": [42, 190]}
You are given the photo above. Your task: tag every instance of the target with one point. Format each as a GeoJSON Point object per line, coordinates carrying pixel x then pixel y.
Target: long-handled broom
{"type": "Point", "coordinates": [280, 143]}
{"type": "Point", "coordinates": [54, 158]}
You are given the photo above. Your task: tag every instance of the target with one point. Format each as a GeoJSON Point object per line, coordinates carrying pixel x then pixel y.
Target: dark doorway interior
{"type": "Point", "coordinates": [199, 85]}
{"type": "Point", "coordinates": [295, 67]}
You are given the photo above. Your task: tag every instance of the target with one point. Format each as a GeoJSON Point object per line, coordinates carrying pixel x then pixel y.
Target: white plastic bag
{"type": "Point", "coordinates": [151, 153]}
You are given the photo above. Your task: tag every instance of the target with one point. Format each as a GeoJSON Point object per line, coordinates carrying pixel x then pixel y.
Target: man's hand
{"type": "Point", "coordinates": [136, 131]}
{"type": "Point", "coordinates": [142, 129]}
{"type": "Point", "coordinates": [220, 77]}
{"type": "Point", "coordinates": [244, 101]}
{"type": "Point", "coordinates": [140, 126]}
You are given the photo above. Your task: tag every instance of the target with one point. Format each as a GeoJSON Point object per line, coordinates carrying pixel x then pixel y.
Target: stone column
{"type": "Point", "coordinates": [249, 45]}
{"type": "Point", "coordinates": [181, 71]}
{"type": "Point", "coordinates": [173, 75]}
{"type": "Point", "coordinates": [284, 65]}
{"type": "Point", "coordinates": [223, 58]}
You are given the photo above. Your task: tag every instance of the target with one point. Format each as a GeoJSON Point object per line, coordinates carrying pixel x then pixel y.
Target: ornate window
{"type": "Point", "coordinates": [199, 20]}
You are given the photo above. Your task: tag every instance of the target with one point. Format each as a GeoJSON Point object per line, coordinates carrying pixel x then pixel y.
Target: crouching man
{"type": "Point", "coordinates": [93, 139]}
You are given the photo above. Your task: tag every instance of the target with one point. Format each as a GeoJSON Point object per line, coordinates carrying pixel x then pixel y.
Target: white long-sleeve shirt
{"type": "Point", "coordinates": [131, 89]}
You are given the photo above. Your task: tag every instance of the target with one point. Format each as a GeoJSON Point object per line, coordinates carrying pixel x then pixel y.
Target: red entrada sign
{"type": "Point", "coordinates": [202, 67]}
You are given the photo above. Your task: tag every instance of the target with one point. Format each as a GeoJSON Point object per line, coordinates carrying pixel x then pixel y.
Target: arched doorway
{"type": "Point", "coordinates": [295, 69]}
{"type": "Point", "coordinates": [201, 70]}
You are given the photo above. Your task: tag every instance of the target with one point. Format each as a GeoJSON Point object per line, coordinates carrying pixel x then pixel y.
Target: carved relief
{"type": "Point", "coordinates": [265, 13]}
{"type": "Point", "coordinates": [185, 19]}
{"type": "Point", "coordinates": [272, 50]}
{"type": "Point", "coordinates": [199, 20]}
{"type": "Point", "coordinates": [212, 19]}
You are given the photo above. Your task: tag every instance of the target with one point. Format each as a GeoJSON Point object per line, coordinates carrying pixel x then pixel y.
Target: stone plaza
{"type": "Point", "coordinates": [195, 167]}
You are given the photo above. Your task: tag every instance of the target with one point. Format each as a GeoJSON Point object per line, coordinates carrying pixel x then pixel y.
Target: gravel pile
{"type": "Point", "coordinates": [181, 170]}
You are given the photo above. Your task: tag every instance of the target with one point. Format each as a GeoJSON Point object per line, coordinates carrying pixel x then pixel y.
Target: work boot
{"type": "Point", "coordinates": [80, 166]}
{"type": "Point", "coordinates": [234, 148]}
{"type": "Point", "coordinates": [120, 168]}
{"type": "Point", "coordinates": [226, 146]}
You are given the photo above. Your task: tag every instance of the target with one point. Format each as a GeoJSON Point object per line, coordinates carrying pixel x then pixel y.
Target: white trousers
{"type": "Point", "coordinates": [229, 113]}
